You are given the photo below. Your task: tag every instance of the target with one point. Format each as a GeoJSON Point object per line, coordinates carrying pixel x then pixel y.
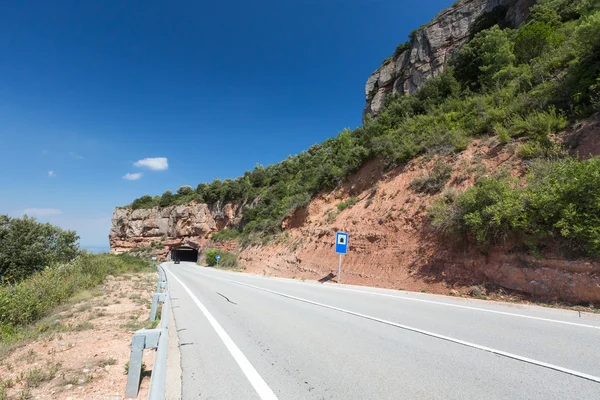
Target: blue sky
{"type": "Point", "coordinates": [90, 88]}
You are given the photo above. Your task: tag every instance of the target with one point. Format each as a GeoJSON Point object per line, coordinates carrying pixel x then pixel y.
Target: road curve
{"type": "Point", "coordinates": [252, 337]}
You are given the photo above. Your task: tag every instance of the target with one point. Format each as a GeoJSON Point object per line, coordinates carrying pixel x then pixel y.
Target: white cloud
{"type": "Point", "coordinates": [155, 164]}
{"type": "Point", "coordinates": [51, 174]}
{"type": "Point", "coordinates": [75, 155]}
{"type": "Point", "coordinates": [132, 177]}
{"type": "Point", "coordinates": [41, 212]}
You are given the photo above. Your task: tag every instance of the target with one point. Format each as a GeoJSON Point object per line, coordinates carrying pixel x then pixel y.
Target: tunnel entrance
{"type": "Point", "coordinates": [185, 253]}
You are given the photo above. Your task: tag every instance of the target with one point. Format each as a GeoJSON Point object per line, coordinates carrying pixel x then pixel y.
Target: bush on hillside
{"type": "Point", "coordinates": [185, 189]}
{"type": "Point", "coordinates": [481, 59]}
{"type": "Point", "coordinates": [32, 298]}
{"type": "Point", "coordinates": [348, 203]}
{"type": "Point", "coordinates": [225, 234]}
{"type": "Point", "coordinates": [227, 260]}
{"type": "Point", "coordinates": [435, 181]}
{"type": "Point", "coordinates": [533, 39]}
{"type": "Point", "coordinates": [561, 201]}
{"type": "Point", "coordinates": [401, 48]}
{"type": "Point", "coordinates": [27, 246]}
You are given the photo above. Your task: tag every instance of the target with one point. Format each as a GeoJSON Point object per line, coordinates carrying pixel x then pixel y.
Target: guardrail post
{"type": "Point", "coordinates": [154, 307]}
{"type": "Point", "coordinates": [156, 298]}
{"type": "Point", "coordinates": [134, 374]}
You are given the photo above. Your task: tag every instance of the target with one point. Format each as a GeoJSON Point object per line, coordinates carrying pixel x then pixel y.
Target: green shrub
{"type": "Point", "coordinates": [561, 200]}
{"type": "Point", "coordinates": [482, 58]}
{"type": "Point", "coordinates": [537, 125]}
{"type": "Point", "coordinates": [435, 181]}
{"type": "Point", "coordinates": [27, 246]}
{"type": "Point", "coordinates": [401, 48]}
{"type": "Point", "coordinates": [226, 234]}
{"type": "Point", "coordinates": [348, 203]}
{"type": "Point", "coordinates": [227, 260]}
{"type": "Point", "coordinates": [32, 298]}
{"type": "Point", "coordinates": [184, 190]}
{"type": "Point", "coordinates": [533, 39]}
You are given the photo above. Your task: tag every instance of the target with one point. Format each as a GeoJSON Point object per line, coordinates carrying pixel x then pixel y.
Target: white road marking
{"type": "Point", "coordinates": [262, 389]}
{"type": "Point", "coordinates": [431, 334]}
{"type": "Point", "coordinates": [557, 321]}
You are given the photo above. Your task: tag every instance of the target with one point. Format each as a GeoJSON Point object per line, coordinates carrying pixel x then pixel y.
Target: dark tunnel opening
{"type": "Point", "coordinates": [186, 254]}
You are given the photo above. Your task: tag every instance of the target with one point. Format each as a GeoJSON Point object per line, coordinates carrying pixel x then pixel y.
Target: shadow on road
{"type": "Point", "coordinates": [327, 278]}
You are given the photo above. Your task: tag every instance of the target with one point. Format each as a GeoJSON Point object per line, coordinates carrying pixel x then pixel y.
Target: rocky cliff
{"type": "Point", "coordinates": [432, 45]}
{"type": "Point", "coordinates": [162, 228]}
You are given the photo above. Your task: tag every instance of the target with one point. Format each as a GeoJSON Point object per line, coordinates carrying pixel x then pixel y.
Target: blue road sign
{"type": "Point", "coordinates": [218, 257]}
{"type": "Point", "coordinates": [341, 243]}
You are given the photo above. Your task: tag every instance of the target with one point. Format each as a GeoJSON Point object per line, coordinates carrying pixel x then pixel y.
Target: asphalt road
{"type": "Point", "coordinates": [252, 337]}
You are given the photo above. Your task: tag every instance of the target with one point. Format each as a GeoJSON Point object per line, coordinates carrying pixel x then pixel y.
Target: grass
{"type": "Point", "coordinates": [106, 361]}
{"type": "Point", "coordinates": [435, 181]}
{"type": "Point", "coordinates": [78, 378]}
{"type": "Point", "coordinates": [227, 259]}
{"type": "Point", "coordinates": [36, 376]}
{"type": "Point", "coordinates": [83, 326]}
{"type": "Point", "coordinates": [25, 307]}
{"type": "Point", "coordinates": [348, 203]}
{"type": "Point", "coordinates": [133, 324]}
{"type": "Point", "coordinates": [126, 368]}
{"type": "Point", "coordinates": [31, 356]}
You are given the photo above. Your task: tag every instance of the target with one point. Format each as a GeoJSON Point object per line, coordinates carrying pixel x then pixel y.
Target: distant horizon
{"type": "Point", "coordinates": [95, 248]}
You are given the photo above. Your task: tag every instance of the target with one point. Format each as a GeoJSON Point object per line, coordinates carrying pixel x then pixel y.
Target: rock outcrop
{"type": "Point", "coordinates": [432, 45]}
{"type": "Point", "coordinates": [163, 228]}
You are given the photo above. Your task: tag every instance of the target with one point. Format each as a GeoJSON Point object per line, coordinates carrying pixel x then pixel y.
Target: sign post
{"type": "Point", "coordinates": [341, 247]}
{"type": "Point", "coordinates": [218, 257]}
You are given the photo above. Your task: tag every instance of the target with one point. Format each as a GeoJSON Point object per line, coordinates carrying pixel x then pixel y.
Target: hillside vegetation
{"type": "Point", "coordinates": [42, 267]}
{"type": "Point", "coordinates": [522, 85]}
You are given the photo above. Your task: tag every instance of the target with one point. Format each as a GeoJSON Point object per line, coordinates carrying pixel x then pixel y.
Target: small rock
{"type": "Point", "coordinates": [81, 381]}
{"type": "Point", "coordinates": [85, 370]}
{"type": "Point", "coordinates": [68, 387]}
{"type": "Point", "coordinates": [107, 368]}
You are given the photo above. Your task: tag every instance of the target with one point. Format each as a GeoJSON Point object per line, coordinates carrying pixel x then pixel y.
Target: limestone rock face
{"type": "Point", "coordinates": [164, 227]}
{"type": "Point", "coordinates": [431, 47]}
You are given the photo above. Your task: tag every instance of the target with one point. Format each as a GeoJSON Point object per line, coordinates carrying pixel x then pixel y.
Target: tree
{"type": "Point", "coordinates": [214, 192]}
{"type": "Point", "coordinates": [27, 246]}
{"type": "Point", "coordinates": [166, 199]}
{"type": "Point", "coordinates": [533, 39]}
{"type": "Point", "coordinates": [201, 191]}
{"type": "Point", "coordinates": [185, 189]}
{"type": "Point", "coordinates": [479, 61]}
{"type": "Point", "coordinates": [143, 202]}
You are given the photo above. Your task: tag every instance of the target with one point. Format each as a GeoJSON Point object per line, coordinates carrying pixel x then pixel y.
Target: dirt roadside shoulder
{"type": "Point", "coordinates": [82, 350]}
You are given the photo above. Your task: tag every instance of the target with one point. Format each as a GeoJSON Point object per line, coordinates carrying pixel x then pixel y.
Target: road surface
{"type": "Point", "coordinates": [252, 337]}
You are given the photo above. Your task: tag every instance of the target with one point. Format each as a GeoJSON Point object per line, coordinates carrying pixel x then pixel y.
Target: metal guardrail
{"type": "Point", "coordinates": [157, 338]}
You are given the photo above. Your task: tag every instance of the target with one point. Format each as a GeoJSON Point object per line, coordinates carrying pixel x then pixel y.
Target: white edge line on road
{"type": "Point", "coordinates": [435, 335]}
{"type": "Point", "coordinates": [557, 321]}
{"type": "Point", "coordinates": [262, 389]}
{"type": "Point", "coordinates": [468, 307]}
